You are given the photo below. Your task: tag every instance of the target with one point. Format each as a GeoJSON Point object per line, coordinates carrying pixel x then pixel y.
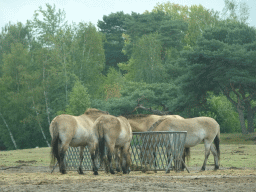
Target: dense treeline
{"type": "Point", "coordinates": [176, 59]}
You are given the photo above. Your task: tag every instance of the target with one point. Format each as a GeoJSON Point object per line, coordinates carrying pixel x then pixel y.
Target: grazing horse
{"type": "Point", "coordinates": [116, 134]}
{"type": "Point", "coordinates": [198, 129]}
{"type": "Point", "coordinates": [143, 122]}
{"type": "Point", "coordinates": [74, 131]}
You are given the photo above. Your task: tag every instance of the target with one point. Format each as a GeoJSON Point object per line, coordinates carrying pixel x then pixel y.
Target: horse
{"type": "Point", "coordinates": [199, 129]}
{"type": "Point", "coordinates": [68, 130]}
{"type": "Point", "coordinates": [143, 122]}
{"type": "Point", "coordinates": [116, 134]}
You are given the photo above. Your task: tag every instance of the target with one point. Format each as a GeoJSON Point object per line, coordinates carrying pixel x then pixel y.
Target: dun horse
{"type": "Point", "coordinates": [198, 129]}
{"type": "Point", "coordinates": [143, 122]}
{"type": "Point", "coordinates": [116, 134]}
{"type": "Point", "coordinates": [74, 131]}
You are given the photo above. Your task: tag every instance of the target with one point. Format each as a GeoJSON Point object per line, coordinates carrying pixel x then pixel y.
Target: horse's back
{"type": "Point", "coordinates": [113, 128]}
{"type": "Point", "coordinates": [64, 123]}
{"type": "Point", "coordinates": [191, 124]}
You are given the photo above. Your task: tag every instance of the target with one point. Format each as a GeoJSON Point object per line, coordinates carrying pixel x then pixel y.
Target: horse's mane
{"type": "Point", "coordinates": [156, 124]}
{"type": "Point", "coordinates": [134, 116]}
{"type": "Point", "coordinates": [93, 110]}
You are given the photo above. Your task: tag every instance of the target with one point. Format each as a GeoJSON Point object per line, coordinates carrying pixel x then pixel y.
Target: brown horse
{"type": "Point", "coordinates": [143, 122]}
{"type": "Point", "coordinates": [116, 134]}
{"type": "Point", "coordinates": [198, 129]}
{"type": "Point", "coordinates": [74, 131]}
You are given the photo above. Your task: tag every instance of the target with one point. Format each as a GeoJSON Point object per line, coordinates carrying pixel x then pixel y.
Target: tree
{"type": "Point", "coordinates": [79, 100]}
{"type": "Point", "coordinates": [145, 63]}
{"type": "Point", "coordinates": [11, 34]}
{"type": "Point", "coordinates": [113, 26]}
{"type": "Point", "coordinates": [170, 31]}
{"type": "Point", "coordinates": [237, 11]}
{"type": "Point", "coordinates": [223, 60]}
{"type": "Point", "coordinates": [158, 96]}
{"type": "Point", "coordinates": [113, 84]}
{"type": "Point", "coordinates": [196, 17]}
{"type": "Point", "coordinates": [89, 57]}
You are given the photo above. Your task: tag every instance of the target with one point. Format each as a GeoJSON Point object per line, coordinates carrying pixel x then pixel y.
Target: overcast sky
{"type": "Point", "coordinates": [93, 10]}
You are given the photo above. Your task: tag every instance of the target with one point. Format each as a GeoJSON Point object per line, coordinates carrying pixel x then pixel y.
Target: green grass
{"type": "Point", "coordinates": [238, 138]}
{"type": "Point", "coordinates": [34, 157]}
{"type": "Point", "coordinates": [231, 155]}
{"type": "Point", "coordinates": [237, 150]}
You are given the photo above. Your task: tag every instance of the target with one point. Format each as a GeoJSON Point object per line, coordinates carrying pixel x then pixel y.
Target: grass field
{"type": "Point", "coordinates": [236, 151]}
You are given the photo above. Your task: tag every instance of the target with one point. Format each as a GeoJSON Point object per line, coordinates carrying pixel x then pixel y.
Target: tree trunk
{"type": "Point", "coordinates": [45, 97]}
{"type": "Point", "coordinates": [241, 119]}
{"type": "Point", "coordinates": [10, 133]}
{"type": "Point", "coordinates": [42, 131]}
{"type": "Point", "coordinates": [250, 116]}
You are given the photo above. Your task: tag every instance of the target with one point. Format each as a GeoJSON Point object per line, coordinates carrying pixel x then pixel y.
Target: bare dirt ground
{"type": "Point", "coordinates": [31, 178]}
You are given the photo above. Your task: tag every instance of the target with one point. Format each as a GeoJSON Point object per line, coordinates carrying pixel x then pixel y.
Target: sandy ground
{"type": "Point", "coordinates": [31, 178]}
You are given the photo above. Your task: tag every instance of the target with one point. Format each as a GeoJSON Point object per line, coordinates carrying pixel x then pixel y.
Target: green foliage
{"type": "Point", "coordinates": [224, 113]}
{"type": "Point", "coordinates": [218, 60]}
{"type": "Point", "coordinates": [235, 11]}
{"type": "Point", "coordinates": [89, 57]}
{"type": "Point", "coordinates": [196, 17]}
{"type": "Point", "coordinates": [159, 96]}
{"type": "Point", "coordinates": [79, 100]}
{"type": "Point", "coordinates": [48, 68]}
{"type": "Point", "coordinates": [170, 31]}
{"type": "Point", "coordinates": [145, 63]}
{"type": "Point", "coordinates": [113, 84]}
{"type": "Point", "coordinates": [112, 26]}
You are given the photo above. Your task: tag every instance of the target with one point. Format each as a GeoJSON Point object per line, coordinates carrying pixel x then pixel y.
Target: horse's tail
{"type": "Point", "coordinates": [156, 124]}
{"type": "Point", "coordinates": [100, 131]}
{"type": "Point", "coordinates": [54, 143]}
{"type": "Point", "coordinates": [217, 144]}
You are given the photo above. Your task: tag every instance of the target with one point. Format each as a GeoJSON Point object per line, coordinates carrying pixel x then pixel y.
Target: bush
{"type": "Point", "coordinates": [225, 113]}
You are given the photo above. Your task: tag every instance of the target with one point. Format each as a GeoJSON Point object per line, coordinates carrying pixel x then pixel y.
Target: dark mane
{"type": "Point", "coordinates": [152, 128]}
{"type": "Point", "coordinates": [93, 110]}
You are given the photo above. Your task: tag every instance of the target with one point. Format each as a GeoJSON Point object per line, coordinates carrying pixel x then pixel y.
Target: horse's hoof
{"type": "Point", "coordinates": [95, 173]}
{"type": "Point", "coordinates": [112, 172]}
{"type": "Point", "coordinates": [202, 170]}
{"type": "Point", "coordinates": [63, 171]}
{"type": "Point", "coordinates": [80, 171]}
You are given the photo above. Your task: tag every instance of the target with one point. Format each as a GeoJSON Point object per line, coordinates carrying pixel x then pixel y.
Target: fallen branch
{"type": "Point", "coordinates": [156, 112]}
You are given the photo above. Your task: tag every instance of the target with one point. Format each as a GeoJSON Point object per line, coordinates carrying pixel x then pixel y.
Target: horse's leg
{"type": "Point", "coordinates": [111, 148]}
{"type": "Point", "coordinates": [93, 149]}
{"type": "Point", "coordinates": [63, 150]}
{"type": "Point", "coordinates": [80, 171]}
{"type": "Point", "coordinates": [117, 159]}
{"type": "Point", "coordinates": [215, 154]}
{"type": "Point", "coordinates": [126, 158]}
{"type": "Point", "coordinates": [207, 146]}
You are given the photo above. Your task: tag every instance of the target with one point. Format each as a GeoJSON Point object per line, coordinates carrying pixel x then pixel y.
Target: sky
{"type": "Point", "coordinates": [93, 10]}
